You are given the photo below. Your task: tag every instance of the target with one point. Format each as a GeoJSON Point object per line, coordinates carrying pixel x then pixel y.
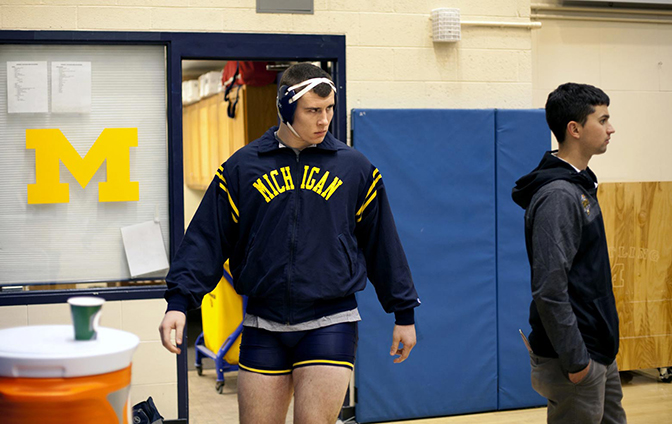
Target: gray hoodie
{"type": "Point", "coordinates": [573, 314]}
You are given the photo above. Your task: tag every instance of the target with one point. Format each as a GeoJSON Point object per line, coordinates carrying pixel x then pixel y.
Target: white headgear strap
{"type": "Point", "coordinates": [310, 84]}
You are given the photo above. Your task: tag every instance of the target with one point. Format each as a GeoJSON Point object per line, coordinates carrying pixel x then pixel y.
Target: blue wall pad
{"type": "Point", "coordinates": [522, 137]}
{"type": "Point", "coordinates": [438, 168]}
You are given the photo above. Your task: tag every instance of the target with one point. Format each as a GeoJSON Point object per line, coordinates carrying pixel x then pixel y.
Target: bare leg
{"type": "Point", "coordinates": [263, 399]}
{"type": "Point", "coordinates": [319, 393]}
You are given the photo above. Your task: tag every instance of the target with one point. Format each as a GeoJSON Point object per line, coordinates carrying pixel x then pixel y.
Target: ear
{"type": "Point", "coordinates": [574, 129]}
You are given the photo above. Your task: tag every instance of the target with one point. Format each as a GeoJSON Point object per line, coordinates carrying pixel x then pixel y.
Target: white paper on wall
{"type": "Point", "coordinates": [145, 251]}
{"type": "Point", "coordinates": [70, 87]}
{"type": "Point", "coordinates": [27, 87]}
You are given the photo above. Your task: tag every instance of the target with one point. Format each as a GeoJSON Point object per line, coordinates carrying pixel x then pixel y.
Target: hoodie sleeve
{"type": "Point", "coordinates": [556, 234]}
{"type": "Point", "coordinates": [198, 264]}
{"type": "Point", "coordinates": [386, 263]}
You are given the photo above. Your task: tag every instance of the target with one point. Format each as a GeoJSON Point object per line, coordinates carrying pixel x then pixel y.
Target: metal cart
{"type": "Point", "coordinates": [226, 355]}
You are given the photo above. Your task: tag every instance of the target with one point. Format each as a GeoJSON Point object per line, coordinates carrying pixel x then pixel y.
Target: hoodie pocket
{"type": "Point", "coordinates": [348, 256]}
{"type": "Point", "coordinates": [607, 330]}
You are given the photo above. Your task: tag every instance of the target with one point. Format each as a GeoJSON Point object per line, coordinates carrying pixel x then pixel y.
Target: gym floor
{"type": "Point", "coordinates": [645, 399]}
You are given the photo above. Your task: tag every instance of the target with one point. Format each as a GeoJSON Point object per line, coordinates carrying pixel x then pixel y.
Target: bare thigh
{"type": "Point", "coordinates": [319, 392]}
{"type": "Point", "coordinates": [263, 399]}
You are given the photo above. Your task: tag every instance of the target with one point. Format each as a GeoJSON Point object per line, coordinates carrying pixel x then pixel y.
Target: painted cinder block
{"type": "Point", "coordinates": [248, 20]}
{"type": "Point", "coordinates": [13, 316]}
{"type": "Point", "coordinates": [371, 63]}
{"type": "Point", "coordinates": [142, 317]}
{"type": "Point", "coordinates": [52, 314]}
{"type": "Point", "coordinates": [524, 65]}
{"type": "Point", "coordinates": [329, 22]}
{"type": "Point", "coordinates": [187, 19]}
{"type": "Point", "coordinates": [438, 63]}
{"type": "Point", "coordinates": [395, 30]}
{"type": "Point", "coordinates": [154, 3]}
{"type": "Point", "coordinates": [488, 65]}
{"type": "Point", "coordinates": [479, 95]}
{"type": "Point", "coordinates": [114, 18]}
{"type": "Point", "coordinates": [494, 8]}
{"type": "Point", "coordinates": [153, 364]}
{"type": "Point", "coordinates": [380, 6]}
{"type": "Point", "coordinates": [39, 17]}
{"type": "Point", "coordinates": [386, 94]}
{"type": "Point", "coordinates": [78, 2]}
{"type": "Point", "coordinates": [111, 315]}
{"type": "Point", "coordinates": [474, 37]}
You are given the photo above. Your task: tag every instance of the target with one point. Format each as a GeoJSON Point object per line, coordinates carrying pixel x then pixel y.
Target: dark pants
{"type": "Point", "coordinates": [595, 399]}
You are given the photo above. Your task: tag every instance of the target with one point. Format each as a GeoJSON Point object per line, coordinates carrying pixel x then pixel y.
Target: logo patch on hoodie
{"type": "Point", "coordinates": [586, 204]}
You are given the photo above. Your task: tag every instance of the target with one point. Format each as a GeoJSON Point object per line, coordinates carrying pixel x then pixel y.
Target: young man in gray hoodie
{"type": "Point", "coordinates": [574, 338]}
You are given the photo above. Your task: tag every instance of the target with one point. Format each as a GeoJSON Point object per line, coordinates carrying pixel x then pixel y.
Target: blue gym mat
{"type": "Point", "coordinates": [439, 170]}
{"type": "Point", "coordinates": [522, 137]}
{"type": "Point", "coordinates": [449, 175]}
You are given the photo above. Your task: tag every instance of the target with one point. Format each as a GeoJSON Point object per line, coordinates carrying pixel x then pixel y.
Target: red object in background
{"type": "Point", "coordinates": [243, 73]}
{"type": "Point", "coordinates": [246, 73]}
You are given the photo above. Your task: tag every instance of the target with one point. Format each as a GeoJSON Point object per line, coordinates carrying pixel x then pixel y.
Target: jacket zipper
{"type": "Point", "coordinates": [292, 246]}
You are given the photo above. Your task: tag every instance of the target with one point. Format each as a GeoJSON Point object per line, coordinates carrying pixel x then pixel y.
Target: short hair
{"type": "Point", "coordinates": [301, 72]}
{"type": "Point", "coordinates": [572, 102]}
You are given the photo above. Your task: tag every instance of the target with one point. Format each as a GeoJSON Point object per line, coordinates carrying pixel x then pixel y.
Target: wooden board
{"type": "Point", "coordinates": [638, 223]}
{"type": "Point", "coordinates": [211, 136]}
{"type": "Point", "coordinates": [260, 111]}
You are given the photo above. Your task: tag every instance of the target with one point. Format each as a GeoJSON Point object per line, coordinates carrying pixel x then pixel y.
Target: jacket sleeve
{"type": "Point", "coordinates": [386, 263]}
{"type": "Point", "coordinates": [556, 235]}
{"type": "Point", "coordinates": [198, 264]}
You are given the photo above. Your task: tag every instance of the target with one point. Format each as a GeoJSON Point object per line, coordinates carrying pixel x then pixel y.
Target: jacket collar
{"type": "Point", "coordinates": [268, 142]}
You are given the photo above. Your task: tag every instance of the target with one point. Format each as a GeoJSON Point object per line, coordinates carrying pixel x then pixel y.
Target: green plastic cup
{"type": "Point", "coordinates": [85, 312]}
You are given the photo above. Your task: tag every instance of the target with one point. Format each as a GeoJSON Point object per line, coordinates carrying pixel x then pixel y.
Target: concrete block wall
{"type": "Point", "coordinates": [391, 59]}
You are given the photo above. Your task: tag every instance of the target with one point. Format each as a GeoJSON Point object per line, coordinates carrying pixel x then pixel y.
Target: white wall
{"type": "Point", "coordinates": [391, 59]}
{"type": "Point", "coordinates": [632, 63]}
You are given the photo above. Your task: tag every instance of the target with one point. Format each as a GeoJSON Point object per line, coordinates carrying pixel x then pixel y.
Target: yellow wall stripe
{"type": "Point", "coordinates": [264, 371]}
{"type": "Point", "coordinates": [324, 362]}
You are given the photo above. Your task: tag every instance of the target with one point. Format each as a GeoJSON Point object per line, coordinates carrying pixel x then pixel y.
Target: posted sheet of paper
{"type": "Point", "coordinates": [145, 251]}
{"type": "Point", "coordinates": [70, 87]}
{"type": "Point", "coordinates": [27, 87]}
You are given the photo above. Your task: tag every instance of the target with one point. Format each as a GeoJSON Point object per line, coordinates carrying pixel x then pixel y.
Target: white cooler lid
{"type": "Point", "coordinates": [51, 351]}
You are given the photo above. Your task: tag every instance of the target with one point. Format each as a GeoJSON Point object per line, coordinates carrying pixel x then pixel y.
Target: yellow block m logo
{"type": "Point", "coordinates": [112, 145]}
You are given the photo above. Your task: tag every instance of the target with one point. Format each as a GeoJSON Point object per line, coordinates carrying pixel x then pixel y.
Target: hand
{"type": "Point", "coordinates": [404, 334]}
{"type": "Point", "coordinates": [173, 320]}
{"type": "Point", "coordinates": [576, 377]}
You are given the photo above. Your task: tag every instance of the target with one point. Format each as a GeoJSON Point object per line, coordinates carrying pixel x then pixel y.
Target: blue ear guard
{"type": "Point", "coordinates": [285, 108]}
{"type": "Point", "coordinates": [288, 97]}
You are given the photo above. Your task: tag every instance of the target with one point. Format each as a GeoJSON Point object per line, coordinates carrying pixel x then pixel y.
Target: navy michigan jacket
{"type": "Point", "coordinates": [302, 232]}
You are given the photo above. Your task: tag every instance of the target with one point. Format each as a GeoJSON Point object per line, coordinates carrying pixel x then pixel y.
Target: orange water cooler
{"type": "Point", "coordinates": [46, 376]}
